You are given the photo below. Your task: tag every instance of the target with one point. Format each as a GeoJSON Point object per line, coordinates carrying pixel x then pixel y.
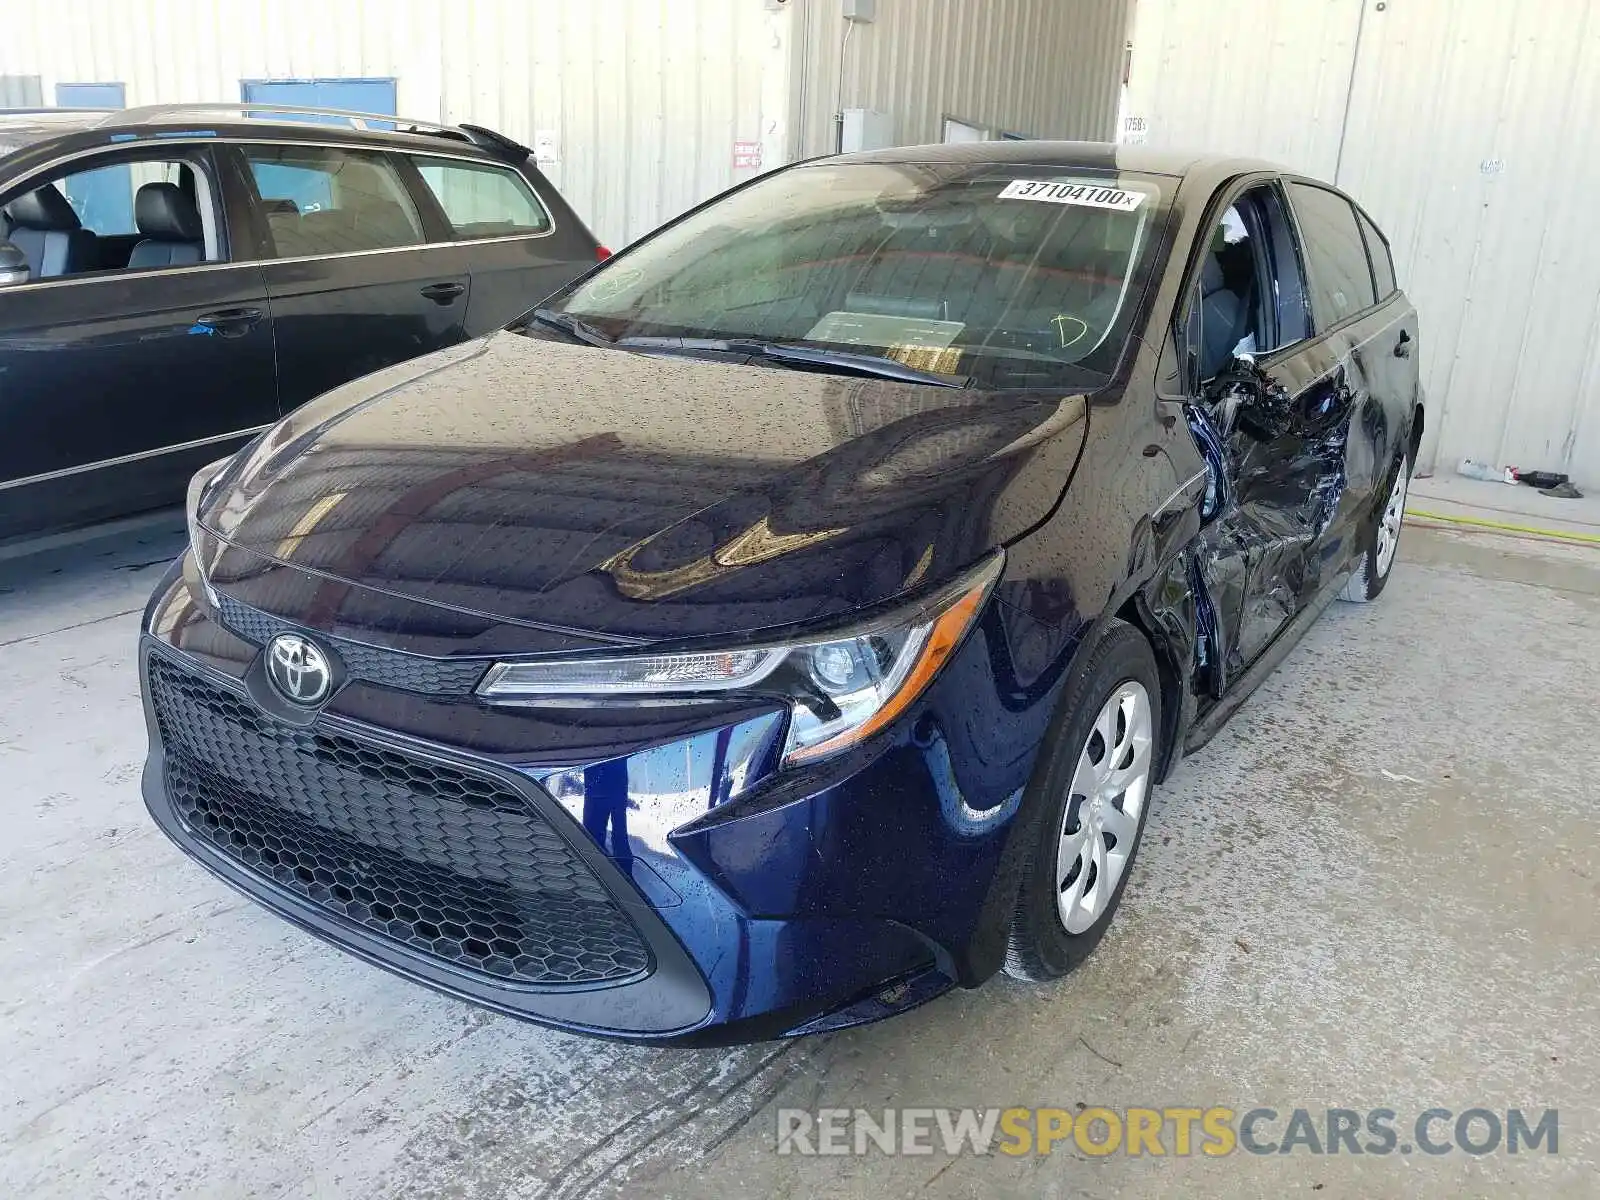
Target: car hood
{"type": "Point", "coordinates": [631, 496]}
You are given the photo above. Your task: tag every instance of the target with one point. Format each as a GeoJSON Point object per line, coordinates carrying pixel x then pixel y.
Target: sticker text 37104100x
{"type": "Point", "coordinates": [1087, 194]}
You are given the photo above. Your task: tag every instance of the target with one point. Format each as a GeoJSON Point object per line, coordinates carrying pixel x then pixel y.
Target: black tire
{"type": "Point", "coordinates": [1039, 947]}
{"type": "Point", "coordinates": [1370, 574]}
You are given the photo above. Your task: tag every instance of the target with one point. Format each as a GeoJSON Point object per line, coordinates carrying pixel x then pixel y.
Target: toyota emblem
{"type": "Point", "coordinates": [298, 669]}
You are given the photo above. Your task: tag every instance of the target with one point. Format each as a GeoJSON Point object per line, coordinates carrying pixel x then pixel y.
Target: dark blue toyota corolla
{"type": "Point", "coordinates": [789, 620]}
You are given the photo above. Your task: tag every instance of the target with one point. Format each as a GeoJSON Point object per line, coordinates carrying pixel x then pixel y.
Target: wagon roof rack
{"type": "Point", "coordinates": [477, 135]}
{"type": "Point", "coordinates": [36, 110]}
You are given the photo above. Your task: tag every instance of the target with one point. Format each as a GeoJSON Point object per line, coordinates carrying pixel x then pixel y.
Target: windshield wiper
{"type": "Point", "coordinates": [877, 365]}
{"type": "Point", "coordinates": [714, 345]}
{"type": "Point", "coordinates": [864, 364]}
{"type": "Point", "coordinates": [571, 326]}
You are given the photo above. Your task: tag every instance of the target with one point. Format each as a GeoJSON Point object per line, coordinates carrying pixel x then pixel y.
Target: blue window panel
{"type": "Point", "coordinates": [361, 95]}
{"type": "Point", "coordinates": [91, 95]}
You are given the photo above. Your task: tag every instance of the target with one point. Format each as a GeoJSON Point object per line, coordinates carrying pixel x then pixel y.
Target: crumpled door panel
{"type": "Point", "coordinates": [1277, 473]}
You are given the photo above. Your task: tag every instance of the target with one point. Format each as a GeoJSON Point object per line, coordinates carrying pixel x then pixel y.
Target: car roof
{"type": "Point", "coordinates": [1198, 166]}
{"type": "Point", "coordinates": [23, 126]}
{"type": "Point", "coordinates": [83, 128]}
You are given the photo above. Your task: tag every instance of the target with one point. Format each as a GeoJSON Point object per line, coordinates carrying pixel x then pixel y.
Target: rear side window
{"type": "Point", "coordinates": [1336, 255]}
{"type": "Point", "coordinates": [323, 200]}
{"type": "Point", "coordinates": [480, 200]}
{"type": "Point", "coordinates": [1378, 252]}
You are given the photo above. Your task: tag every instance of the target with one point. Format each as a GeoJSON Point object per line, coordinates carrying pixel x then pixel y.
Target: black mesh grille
{"type": "Point", "coordinates": [373, 664]}
{"type": "Point", "coordinates": [450, 863]}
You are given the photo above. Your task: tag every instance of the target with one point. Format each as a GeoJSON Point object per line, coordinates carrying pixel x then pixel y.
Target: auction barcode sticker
{"type": "Point", "coordinates": [1087, 194]}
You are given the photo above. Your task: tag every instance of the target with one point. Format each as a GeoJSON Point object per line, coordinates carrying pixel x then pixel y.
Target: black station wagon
{"type": "Point", "coordinates": [175, 279]}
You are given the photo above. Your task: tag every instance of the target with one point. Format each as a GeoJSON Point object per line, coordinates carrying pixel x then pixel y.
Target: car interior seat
{"type": "Point", "coordinates": [170, 224]}
{"type": "Point", "coordinates": [45, 227]}
{"type": "Point", "coordinates": [1225, 318]}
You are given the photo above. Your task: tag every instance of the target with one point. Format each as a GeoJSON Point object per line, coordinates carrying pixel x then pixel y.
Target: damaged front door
{"type": "Point", "coordinates": [1270, 412]}
{"type": "Point", "coordinates": [1282, 480]}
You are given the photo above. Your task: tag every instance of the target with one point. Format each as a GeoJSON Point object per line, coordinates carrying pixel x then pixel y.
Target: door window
{"type": "Point", "coordinates": [1378, 252]}
{"type": "Point", "coordinates": [324, 200]}
{"type": "Point", "coordinates": [87, 219]}
{"type": "Point", "coordinates": [104, 197]}
{"type": "Point", "coordinates": [482, 201]}
{"type": "Point", "coordinates": [1250, 295]}
{"type": "Point", "coordinates": [1336, 255]}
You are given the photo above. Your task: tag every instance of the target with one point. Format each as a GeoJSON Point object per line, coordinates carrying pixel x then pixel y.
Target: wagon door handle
{"type": "Point", "coordinates": [230, 322]}
{"type": "Point", "coordinates": [1402, 348]}
{"type": "Point", "coordinates": [443, 293]}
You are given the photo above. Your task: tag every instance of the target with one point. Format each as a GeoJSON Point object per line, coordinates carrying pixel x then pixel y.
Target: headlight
{"type": "Point", "coordinates": [197, 491]}
{"type": "Point", "coordinates": [841, 689]}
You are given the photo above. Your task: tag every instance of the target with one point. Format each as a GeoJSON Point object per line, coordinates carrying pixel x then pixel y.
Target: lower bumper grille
{"type": "Point", "coordinates": [450, 863]}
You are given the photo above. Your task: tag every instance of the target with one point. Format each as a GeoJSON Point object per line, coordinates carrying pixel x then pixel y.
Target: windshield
{"type": "Point", "coordinates": [1014, 276]}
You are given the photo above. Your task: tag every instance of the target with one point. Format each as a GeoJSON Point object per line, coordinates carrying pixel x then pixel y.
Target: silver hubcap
{"type": "Point", "coordinates": [1109, 790]}
{"type": "Point", "coordinates": [1389, 528]}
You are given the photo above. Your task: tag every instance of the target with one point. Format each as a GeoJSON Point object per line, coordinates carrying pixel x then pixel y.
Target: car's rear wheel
{"type": "Point", "coordinates": [1377, 556]}
{"type": "Point", "coordinates": [1096, 791]}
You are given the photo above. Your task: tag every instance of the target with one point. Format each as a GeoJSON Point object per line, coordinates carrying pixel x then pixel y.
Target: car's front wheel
{"type": "Point", "coordinates": [1377, 555]}
{"type": "Point", "coordinates": [1096, 791]}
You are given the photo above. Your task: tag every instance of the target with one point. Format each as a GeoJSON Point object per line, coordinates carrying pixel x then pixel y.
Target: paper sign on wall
{"type": "Point", "coordinates": [544, 146]}
{"type": "Point", "coordinates": [746, 156]}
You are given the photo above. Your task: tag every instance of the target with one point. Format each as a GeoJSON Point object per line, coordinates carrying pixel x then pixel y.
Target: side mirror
{"type": "Point", "coordinates": [13, 265]}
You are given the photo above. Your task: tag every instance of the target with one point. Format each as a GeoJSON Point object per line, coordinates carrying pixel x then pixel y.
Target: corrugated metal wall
{"type": "Point", "coordinates": [1467, 128]}
{"type": "Point", "coordinates": [20, 91]}
{"type": "Point", "coordinates": [1041, 68]}
{"type": "Point", "coordinates": [646, 97]}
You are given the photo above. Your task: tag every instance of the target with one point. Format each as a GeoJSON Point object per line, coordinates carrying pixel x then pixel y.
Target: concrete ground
{"type": "Point", "coordinates": [1445, 498]}
{"type": "Point", "coordinates": [1379, 887]}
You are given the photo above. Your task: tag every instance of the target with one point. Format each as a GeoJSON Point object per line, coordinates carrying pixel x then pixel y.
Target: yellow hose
{"type": "Point", "coordinates": [1592, 539]}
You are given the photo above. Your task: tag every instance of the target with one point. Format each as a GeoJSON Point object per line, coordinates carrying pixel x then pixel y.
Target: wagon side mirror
{"type": "Point", "coordinates": [14, 267]}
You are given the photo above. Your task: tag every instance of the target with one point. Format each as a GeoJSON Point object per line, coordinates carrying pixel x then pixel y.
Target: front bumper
{"type": "Point", "coordinates": [653, 990]}
{"type": "Point", "coordinates": [747, 904]}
